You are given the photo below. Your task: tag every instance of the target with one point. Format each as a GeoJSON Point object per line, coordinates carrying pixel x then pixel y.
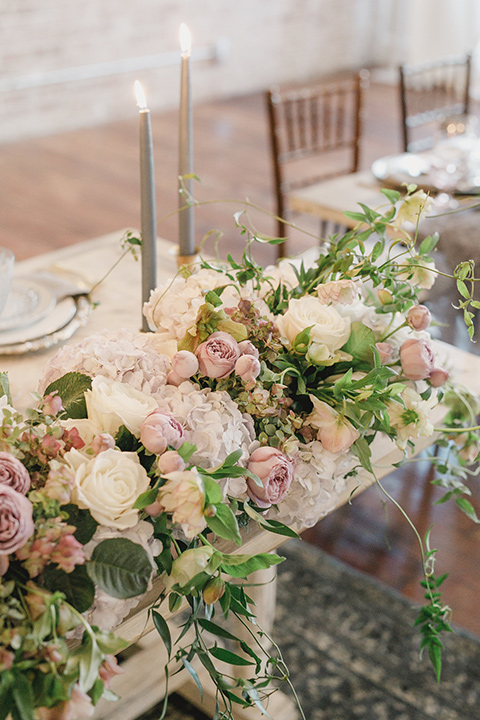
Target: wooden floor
{"type": "Point", "coordinates": [74, 186]}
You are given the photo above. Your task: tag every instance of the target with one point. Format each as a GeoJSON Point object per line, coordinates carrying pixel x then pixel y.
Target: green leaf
{"type": "Point", "coordinates": [23, 696]}
{"type": "Point", "coordinates": [229, 657]}
{"type": "Point", "coordinates": [273, 526]}
{"type": "Point", "coordinates": [146, 498]}
{"type": "Point", "coordinates": [188, 666]}
{"type": "Point", "coordinates": [462, 289]}
{"type": "Point", "coordinates": [163, 630]}
{"type": "Point", "coordinates": [467, 508]}
{"type": "Point", "coordinates": [125, 440]}
{"type": "Point", "coordinates": [224, 524]}
{"type": "Point", "coordinates": [120, 567]}
{"type": "Point", "coordinates": [435, 655]}
{"type": "Point", "coordinates": [109, 643]}
{"type": "Point", "coordinates": [71, 388]}
{"type": "Point", "coordinates": [361, 342]}
{"type": "Point", "coordinates": [362, 450]}
{"type": "Point", "coordinates": [243, 565]}
{"type": "Point", "coordinates": [213, 491]}
{"type": "Point", "coordinates": [215, 629]}
{"type": "Point", "coordinates": [89, 658]}
{"type": "Point", "coordinates": [79, 590]}
{"type": "Point", "coordinates": [428, 244]}
{"type": "Point", "coordinates": [186, 451]}
{"type": "Point", "coordinates": [392, 196]}
{"type": "Point", "coordinates": [82, 520]}
{"type": "Point", "coordinates": [5, 387]}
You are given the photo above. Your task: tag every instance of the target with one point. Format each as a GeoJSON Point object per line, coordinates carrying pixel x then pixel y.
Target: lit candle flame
{"type": "Point", "coordinates": [185, 40]}
{"type": "Point", "coordinates": [140, 95]}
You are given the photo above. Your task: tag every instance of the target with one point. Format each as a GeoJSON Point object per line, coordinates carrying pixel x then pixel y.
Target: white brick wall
{"type": "Point", "coordinates": [270, 41]}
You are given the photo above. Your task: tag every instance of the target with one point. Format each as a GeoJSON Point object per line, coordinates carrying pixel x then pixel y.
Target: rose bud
{"type": "Point", "coordinates": [184, 364]}
{"type": "Point", "coordinates": [217, 355]}
{"type": "Point", "coordinates": [213, 590]}
{"type": "Point", "coordinates": [417, 359]}
{"type": "Point", "coordinates": [246, 347]}
{"type": "Point", "coordinates": [160, 429]}
{"type": "Point", "coordinates": [174, 379]}
{"type": "Point", "coordinates": [169, 462]}
{"type": "Point", "coordinates": [52, 404]}
{"type": "Point", "coordinates": [102, 442]}
{"type": "Point", "coordinates": [419, 317]}
{"type": "Point", "coordinates": [275, 471]}
{"type": "Point", "coordinates": [14, 473]}
{"type": "Point", "coordinates": [385, 296]}
{"type": "Point", "coordinates": [385, 351]}
{"type": "Point", "coordinates": [438, 377]}
{"type": "Point", "coordinates": [190, 563]}
{"type": "Point", "coordinates": [4, 563]}
{"type": "Point", "coordinates": [154, 509]}
{"type": "Point", "coordinates": [247, 367]}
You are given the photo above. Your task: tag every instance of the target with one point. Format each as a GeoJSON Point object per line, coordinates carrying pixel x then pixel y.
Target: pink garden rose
{"type": "Point", "coordinates": [16, 522]}
{"type": "Point", "coordinates": [419, 317]}
{"type": "Point", "coordinates": [14, 473]}
{"type": "Point", "coordinates": [247, 367]}
{"type": "Point", "coordinates": [275, 470]}
{"type": "Point", "coordinates": [160, 429]}
{"type": "Point", "coordinates": [438, 377]}
{"type": "Point", "coordinates": [217, 355]}
{"type": "Point", "coordinates": [417, 359]}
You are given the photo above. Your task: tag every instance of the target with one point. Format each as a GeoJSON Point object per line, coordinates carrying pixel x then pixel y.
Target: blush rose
{"type": "Point", "coordinates": [217, 355]}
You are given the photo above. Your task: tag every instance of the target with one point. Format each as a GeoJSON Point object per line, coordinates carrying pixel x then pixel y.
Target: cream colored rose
{"type": "Point", "coordinates": [111, 404]}
{"type": "Point", "coordinates": [328, 327]}
{"type": "Point", "coordinates": [183, 495]}
{"type": "Point", "coordinates": [108, 485]}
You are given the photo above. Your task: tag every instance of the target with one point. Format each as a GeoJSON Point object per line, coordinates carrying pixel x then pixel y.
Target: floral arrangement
{"type": "Point", "coordinates": [256, 395]}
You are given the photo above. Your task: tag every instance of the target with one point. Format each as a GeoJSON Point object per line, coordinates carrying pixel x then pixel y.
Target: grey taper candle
{"type": "Point", "coordinates": [147, 194]}
{"type": "Point", "coordinates": [186, 230]}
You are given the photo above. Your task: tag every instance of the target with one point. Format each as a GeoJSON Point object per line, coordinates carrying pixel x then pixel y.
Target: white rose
{"type": "Point", "coordinates": [111, 404]}
{"type": "Point", "coordinates": [328, 327]}
{"type": "Point", "coordinates": [108, 485]}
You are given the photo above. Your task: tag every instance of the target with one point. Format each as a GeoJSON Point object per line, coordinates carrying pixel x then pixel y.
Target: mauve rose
{"type": "Point", "coordinates": [246, 347]}
{"type": "Point", "coordinates": [102, 442]}
{"type": "Point", "coordinates": [385, 351]}
{"type": "Point", "coordinates": [417, 359]}
{"type": "Point", "coordinates": [247, 367]}
{"type": "Point", "coordinates": [160, 429]}
{"type": "Point", "coordinates": [217, 355]}
{"type": "Point", "coordinates": [184, 364]}
{"type": "Point", "coordinates": [16, 523]}
{"type": "Point", "coordinates": [14, 473]}
{"type": "Point", "coordinates": [275, 471]}
{"type": "Point", "coordinates": [419, 317]}
{"type": "Point", "coordinates": [438, 377]}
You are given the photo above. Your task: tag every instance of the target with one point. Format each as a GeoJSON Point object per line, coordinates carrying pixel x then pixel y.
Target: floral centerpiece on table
{"type": "Point", "coordinates": [257, 394]}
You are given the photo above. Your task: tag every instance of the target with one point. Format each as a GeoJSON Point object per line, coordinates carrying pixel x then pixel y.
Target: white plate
{"type": "Point", "coordinates": [28, 302]}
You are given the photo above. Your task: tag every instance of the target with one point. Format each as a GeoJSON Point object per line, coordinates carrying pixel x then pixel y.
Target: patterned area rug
{"type": "Point", "coordinates": [353, 653]}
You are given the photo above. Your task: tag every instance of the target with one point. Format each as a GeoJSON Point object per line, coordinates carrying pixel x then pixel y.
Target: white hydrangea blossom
{"type": "Point", "coordinates": [212, 420]}
{"type": "Point", "coordinates": [319, 478]}
{"type": "Point", "coordinates": [108, 612]}
{"type": "Point", "coordinates": [119, 355]}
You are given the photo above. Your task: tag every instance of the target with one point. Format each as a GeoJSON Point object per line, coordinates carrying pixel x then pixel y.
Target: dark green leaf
{"type": "Point", "coordinates": [215, 629]}
{"type": "Point", "coordinates": [79, 590]}
{"type": "Point", "coordinates": [163, 630]}
{"type": "Point", "coordinates": [194, 675]}
{"type": "Point", "coordinates": [23, 696]}
{"type": "Point", "coordinates": [83, 521]}
{"type": "Point", "coordinates": [125, 440]}
{"type": "Point", "coordinates": [229, 657]}
{"type": "Point", "coordinates": [243, 565]}
{"type": "Point", "coordinates": [146, 498]}
{"type": "Point", "coordinates": [71, 388]}
{"type": "Point", "coordinates": [120, 567]}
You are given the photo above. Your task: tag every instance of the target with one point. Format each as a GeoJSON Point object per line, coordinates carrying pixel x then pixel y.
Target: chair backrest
{"type": "Point", "coordinates": [429, 93]}
{"type": "Point", "coordinates": [321, 118]}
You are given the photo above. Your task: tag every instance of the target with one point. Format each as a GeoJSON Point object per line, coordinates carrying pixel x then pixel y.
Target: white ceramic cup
{"type": "Point", "coordinates": [7, 263]}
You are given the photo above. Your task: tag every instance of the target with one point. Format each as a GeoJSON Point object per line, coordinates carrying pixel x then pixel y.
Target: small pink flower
{"type": "Point", "coordinates": [68, 553]}
{"type": "Point", "coordinates": [385, 351]}
{"type": "Point", "coordinates": [217, 355]}
{"type": "Point", "coordinates": [246, 347]}
{"type": "Point", "coordinates": [72, 439]}
{"type": "Point", "coordinates": [417, 359]}
{"type": "Point", "coordinates": [51, 446]}
{"type": "Point", "coordinates": [103, 441]}
{"type": "Point", "coordinates": [108, 669]}
{"type": "Point", "coordinates": [169, 462]}
{"type": "Point", "coordinates": [159, 430]}
{"type": "Point", "coordinates": [419, 317]}
{"type": "Point", "coordinates": [184, 364]}
{"type": "Point", "coordinates": [16, 519]}
{"type": "Point", "coordinates": [275, 471]}
{"type": "Point", "coordinates": [14, 473]}
{"type": "Point", "coordinates": [438, 377]}
{"type": "Point", "coordinates": [247, 367]}
{"type": "Point", "coordinates": [52, 404]}
{"type": "Point", "coordinates": [334, 431]}
{"type": "Point", "coordinates": [337, 291]}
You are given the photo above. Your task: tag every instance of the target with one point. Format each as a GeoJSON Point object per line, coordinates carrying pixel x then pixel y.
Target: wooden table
{"type": "Point", "coordinates": [119, 306]}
